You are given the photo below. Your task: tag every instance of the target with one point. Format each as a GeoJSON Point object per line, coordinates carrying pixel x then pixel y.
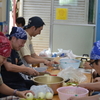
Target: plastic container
{"type": "Point", "coordinates": [41, 69]}
{"type": "Point", "coordinates": [65, 93]}
{"type": "Point", "coordinates": [65, 63]}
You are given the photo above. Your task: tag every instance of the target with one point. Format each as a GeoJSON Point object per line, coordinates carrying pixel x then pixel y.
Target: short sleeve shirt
{"type": "Point", "coordinates": [28, 47]}
{"type": "Point", "coordinates": [9, 76]}
{"type": "Point", "coordinates": [27, 50]}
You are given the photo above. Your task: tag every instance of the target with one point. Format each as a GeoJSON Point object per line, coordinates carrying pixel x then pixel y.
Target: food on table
{"type": "Point", "coordinates": [32, 99]}
{"type": "Point", "coordinates": [38, 99]}
{"type": "Point", "coordinates": [49, 95]}
{"type": "Point", "coordinates": [46, 75]}
{"type": "Point", "coordinates": [29, 96]}
{"type": "Point", "coordinates": [41, 95]}
{"type": "Point", "coordinates": [72, 83]}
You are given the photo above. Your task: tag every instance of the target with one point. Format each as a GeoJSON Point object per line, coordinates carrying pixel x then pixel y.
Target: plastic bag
{"type": "Point", "coordinates": [40, 88]}
{"type": "Point", "coordinates": [73, 74]}
{"type": "Point", "coordinates": [45, 53]}
{"type": "Point", "coordinates": [64, 53]}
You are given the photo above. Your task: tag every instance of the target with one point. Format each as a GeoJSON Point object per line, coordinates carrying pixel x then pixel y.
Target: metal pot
{"type": "Point", "coordinates": [53, 82]}
{"type": "Point", "coordinates": [83, 59]}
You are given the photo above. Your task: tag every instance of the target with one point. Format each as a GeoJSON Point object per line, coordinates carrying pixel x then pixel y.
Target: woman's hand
{"type": "Point", "coordinates": [22, 94]}
{"type": "Point", "coordinates": [50, 63]}
{"type": "Point", "coordinates": [32, 72]}
{"type": "Point", "coordinates": [82, 85]}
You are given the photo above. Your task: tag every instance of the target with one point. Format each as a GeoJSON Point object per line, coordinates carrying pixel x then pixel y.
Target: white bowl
{"type": "Point", "coordinates": [41, 69]}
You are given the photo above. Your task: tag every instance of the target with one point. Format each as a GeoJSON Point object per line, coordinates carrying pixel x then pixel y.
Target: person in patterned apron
{"type": "Point", "coordinates": [5, 50]}
{"type": "Point", "coordinates": [12, 68]}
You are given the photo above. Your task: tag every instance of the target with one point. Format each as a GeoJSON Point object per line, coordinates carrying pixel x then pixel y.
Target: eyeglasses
{"type": "Point", "coordinates": [91, 63]}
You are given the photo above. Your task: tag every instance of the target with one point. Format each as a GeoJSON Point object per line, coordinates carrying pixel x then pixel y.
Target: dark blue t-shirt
{"type": "Point", "coordinates": [13, 79]}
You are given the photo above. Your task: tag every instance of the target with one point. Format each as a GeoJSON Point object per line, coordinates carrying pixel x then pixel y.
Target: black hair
{"type": "Point", "coordinates": [20, 20]}
{"type": "Point", "coordinates": [96, 61]}
{"type": "Point", "coordinates": [12, 32]}
{"type": "Point", "coordinates": [25, 27]}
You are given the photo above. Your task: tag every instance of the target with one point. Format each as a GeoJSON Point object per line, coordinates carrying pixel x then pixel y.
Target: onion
{"type": "Point", "coordinates": [46, 75]}
{"type": "Point", "coordinates": [22, 99]}
{"type": "Point", "coordinates": [29, 96]}
{"type": "Point", "coordinates": [49, 95]}
{"type": "Point", "coordinates": [64, 84]}
{"type": "Point", "coordinates": [41, 95]}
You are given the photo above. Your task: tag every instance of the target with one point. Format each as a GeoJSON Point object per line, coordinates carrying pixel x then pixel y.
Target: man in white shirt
{"type": "Point", "coordinates": [27, 53]}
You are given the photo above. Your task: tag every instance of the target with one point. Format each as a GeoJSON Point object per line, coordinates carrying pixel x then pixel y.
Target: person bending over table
{"type": "Point", "coordinates": [12, 68]}
{"type": "Point", "coordinates": [5, 50]}
{"type": "Point", "coordinates": [27, 53]}
{"type": "Point", "coordinates": [94, 63]}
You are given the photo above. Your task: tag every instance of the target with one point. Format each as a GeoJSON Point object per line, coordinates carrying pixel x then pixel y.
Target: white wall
{"type": "Point", "coordinates": [79, 39]}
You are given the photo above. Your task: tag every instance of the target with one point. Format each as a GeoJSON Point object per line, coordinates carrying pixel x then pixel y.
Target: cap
{"type": "Point", "coordinates": [95, 52]}
{"type": "Point", "coordinates": [34, 21]}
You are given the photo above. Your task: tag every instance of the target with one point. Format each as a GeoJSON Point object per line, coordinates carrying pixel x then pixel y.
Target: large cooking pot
{"type": "Point", "coordinates": [83, 59]}
{"type": "Point", "coordinates": [53, 82]}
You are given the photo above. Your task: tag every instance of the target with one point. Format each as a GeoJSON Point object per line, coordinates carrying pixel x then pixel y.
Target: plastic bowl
{"type": "Point", "coordinates": [41, 69]}
{"type": "Point", "coordinates": [65, 93]}
{"type": "Point", "coordinates": [65, 63]}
